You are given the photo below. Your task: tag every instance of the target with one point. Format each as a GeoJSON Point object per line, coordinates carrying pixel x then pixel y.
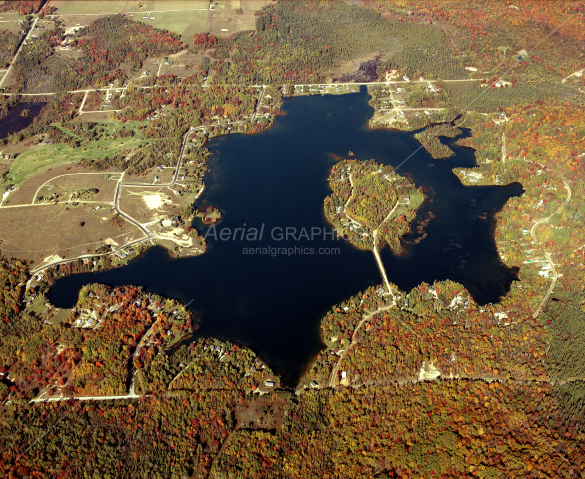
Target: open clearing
{"type": "Point", "coordinates": [234, 16]}
{"type": "Point", "coordinates": [75, 188]}
{"type": "Point", "coordinates": [179, 16]}
{"type": "Point", "coordinates": [153, 176]}
{"type": "Point", "coordinates": [183, 64]}
{"type": "Point", "coordinates": [106, 7]}
{"type": "Point", "coordinates": [35, 232]}
{"type": "Point", "coordinates": [185, 23]}
{"type": "Point", "coordinates": [77, 177]}
{"type": "Point", "coordinates": [261, 414]}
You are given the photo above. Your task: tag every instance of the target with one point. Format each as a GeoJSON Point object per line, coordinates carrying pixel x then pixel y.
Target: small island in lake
{"type": "Point", "coordinates": [371, 204]}
{"type": "Point", "coordinates": [209, 215]}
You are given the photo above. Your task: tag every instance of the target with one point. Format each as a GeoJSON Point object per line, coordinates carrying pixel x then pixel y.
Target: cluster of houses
{"type": "Point", "coordinates": [123, 254]}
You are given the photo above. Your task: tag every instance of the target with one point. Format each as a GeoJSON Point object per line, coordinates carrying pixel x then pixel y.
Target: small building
{"type": "Point", "coordinates": [269, 383]}
{"type": "Point", "coordinates": [314, 384]}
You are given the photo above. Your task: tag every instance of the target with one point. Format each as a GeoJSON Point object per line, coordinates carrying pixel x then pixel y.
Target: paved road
{"type": "Point", "coordinates": [147, 233]}
{"type": "Point", "coordinates": [7, 72]}
{"type": "Point", "coordinates": [401, 82]}
{"type": "Point", "coordinates": [380, 264]}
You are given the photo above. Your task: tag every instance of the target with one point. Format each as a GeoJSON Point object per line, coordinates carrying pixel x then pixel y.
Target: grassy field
{"type": "Point", "coordinates": [35, 160]}
{"type": "Point", "coordinates": [185, 17]}
{"type": "Point", "coordinates": [185, 23]}
{"type": "Point", "coordinates": [101, 7]}
{"type": "Point", "coordinates": [36, 232]}
{"type": "Point", "coordinates": [79, 7]}
{"type": "Point", "coordinates": [159, 5]}
{"type": "Point", "coordinates": [7, 24]}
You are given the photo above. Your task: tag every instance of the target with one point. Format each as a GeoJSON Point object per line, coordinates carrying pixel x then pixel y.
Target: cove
{"type": "Point", "coordinates": [277, 179]}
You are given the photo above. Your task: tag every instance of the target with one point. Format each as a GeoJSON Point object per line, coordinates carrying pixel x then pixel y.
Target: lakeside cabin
{"type": "Point", "coordinates": [269, 383]}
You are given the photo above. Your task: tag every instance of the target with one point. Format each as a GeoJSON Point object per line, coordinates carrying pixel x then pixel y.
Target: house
{"type": "Point", "coordinates": [314, 384]}
{"type": "Point", "coordinates": [343, 374]}
{"type": "Point", "coordinates": [269, 383]}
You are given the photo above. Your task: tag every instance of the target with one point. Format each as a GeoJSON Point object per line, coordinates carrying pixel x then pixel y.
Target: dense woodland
{"type": "Point", "coordinates": [492, 37]}
{"type": "Point", "coordinates": [299, 42]}
{"type": "Point", "coordinates": [24, 7]}
{"type": "Point", "coordinates": [448, 428]}
{"type": "Point", "coordinates": [430, 139]}
{"type": "Point", "coordinates": [9, 42]}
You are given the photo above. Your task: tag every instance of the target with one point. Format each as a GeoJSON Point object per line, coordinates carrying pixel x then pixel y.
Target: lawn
{"type": "Point", "coordinates": [74, 7]}
{"type": "Point", "coordinates": [35, 160]}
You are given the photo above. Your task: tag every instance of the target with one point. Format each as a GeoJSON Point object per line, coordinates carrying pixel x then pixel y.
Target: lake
{"type": "Point", "coordinates": [273, 302]}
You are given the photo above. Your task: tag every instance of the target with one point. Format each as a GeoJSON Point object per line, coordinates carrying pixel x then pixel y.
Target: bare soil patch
{"type": "Point", "coordinates": [94, 101]}
{"type": "Point", "coordinates": [183, 64]}
{"type": "Point", "coordinates": [349, 68]}
{"type": "Point", "coordinates": [96, 117]}
{"type": "Point", "coordinates": [148, 204]}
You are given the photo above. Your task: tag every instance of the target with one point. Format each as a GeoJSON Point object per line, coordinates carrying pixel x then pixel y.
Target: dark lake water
{"type": "Point", "coordinates": [275, 180]}
{"type": "Point", "coordinates": [14, 122]}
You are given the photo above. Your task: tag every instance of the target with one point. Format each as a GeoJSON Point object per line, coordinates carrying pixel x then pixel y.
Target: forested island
{"type": "Point", "coordinates": [430, 139]}
{"type": "Point", "coordinates": [371, 204]}
{"type": "Point", "coordinates": [420, 383]}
